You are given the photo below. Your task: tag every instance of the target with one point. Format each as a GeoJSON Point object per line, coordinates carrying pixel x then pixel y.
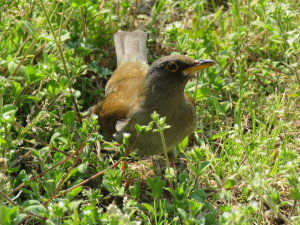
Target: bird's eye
{"type": "Point", "coordinates": [172, 66]}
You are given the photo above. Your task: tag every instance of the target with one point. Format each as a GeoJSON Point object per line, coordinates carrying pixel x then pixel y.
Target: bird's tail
{"type": "Point", "coordinates": [130, 46]}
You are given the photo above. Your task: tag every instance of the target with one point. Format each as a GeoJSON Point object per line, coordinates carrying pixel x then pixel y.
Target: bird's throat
{"type": "Point", "coordinates": [163, 92]}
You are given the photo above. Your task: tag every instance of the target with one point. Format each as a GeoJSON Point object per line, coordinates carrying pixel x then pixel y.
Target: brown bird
{"type": "Point", "coordinates": [136, 90]}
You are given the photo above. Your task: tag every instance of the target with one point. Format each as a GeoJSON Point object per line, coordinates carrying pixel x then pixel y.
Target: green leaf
{"type": "Point", "coordinates": [35, 153]}
{"type": "Point", "coordinates": [151, 182]}
{"type": "Point", "coordinates": [183, 177]}
{"type": "Point", "coordinates": [200, 52]}
{"type": "Point", "coordinates": [78, 3]}
{"type": "Point", "coordinates": [194, 207]}
{"type": "Point", "coordinates": [201, 93]}
{"type": "Point", "coordinates": [203, 167]}
{"type": "Point", "coordinates": [225, 107]}
{"type": "Point", "coordinates": [217, 179]}
{"type": "Point", "coordinates": [190, 87]}
{"type": "Point", "coordinates": [183, 213]}
{"type": "Point", "coordinates": [52, 87]}
{"type": "Point", "coordinates": [13, 212]}
{"type": "Point", "coordinates": [158, 189]}
{"type": "Point", "coordinates": [171, 174]}
{"type": "Point", "coordinates": [69, 118]}
{"type": "Point", "coordinates": [63, 82]}
{"type": "Point", "coordinates": [49, 222]}
{"type": "Point", "coordinates": [259, 23]}
{"type": "Point", "coordinates": [9, 109]}
{"type": "Point", "coordinates": [275, 197]}
{"type": "Point", "coordinates": [294, 192]}
{"type": "Point", "coordinates": [30, 70]}
{"type": "Point", "coordinates": [27, 99]}
{"type": "Point", "coordinates": [277, 39]}
{"type": "Point", "coordinates": [12, 66]}
{"type": "Point", "coordinates": [30, 28]}
{"type": "Point", "coordinates": [14, 169]}
{"type": "Point", "coordinates": [230, 183]}
{"type": "Point", "coordinates": [216, 136]}
{"type": "Point", "coordinates": [30, 204]}
{"type": "Point", "coordinates": [47, 37]}
{"type": "Point", "coordinates": [226, 195]}
{"type": "Point", "coordinates": [72, 194]}
{"type": "Point", "coordinates": [83, 167]}
{"type": "Point", "coordinates": [182, 39]}
{"type": "Point", "coordinates": [65, 35]}
{"type": "Point", "coordinates": [194, 169]}
{"type": "Point", "coordinates": [18, 218]}
{"type": "Point", "coordinates": [54, 136]}
{"type": "Point", "coordinates": [16, 89]}
{"type": "Point", "coordinates": [136, 189]}
{"type": "Point", "coordinates": [109, 186]}
{"type": "Point", "coordinates": [58, 210]}
{"type": "Point", "coordinates": [224, 54]}
{"type": "Point", "coordinates": [210, 218]}
{"type": "Point", "coordinates": [106, 146]}
{"type": "Point", "coordinates": [184, 143]}
{"type": "Point", "coordinates": [9, 58]}
{"type": "Point", "coordinates": [270, 27]}
{"type": "Point", "coordinates": [3, 61]}
{"type": "Point", "coordinates": [198, 195]}
{"type": "Point", "coordinates": [75, 218]}
{"type": "Point", "coordinates": [147, 206]}
{"type": "Point", "coordinates": [75, 205]}
{"type": "Point", "coordinates": [4, 215]}
{"type": "Point", "coordinates": [32, 76]}
{"type": "Point", "coordinates": [3, 142]}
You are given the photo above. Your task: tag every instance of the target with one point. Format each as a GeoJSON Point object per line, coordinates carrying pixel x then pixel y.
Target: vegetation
{"type": "Point", "coordinates": [240, 166]}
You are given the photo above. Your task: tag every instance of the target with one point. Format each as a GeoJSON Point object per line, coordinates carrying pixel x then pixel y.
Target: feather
{"type": "Point", "coordinates": [131, 47]}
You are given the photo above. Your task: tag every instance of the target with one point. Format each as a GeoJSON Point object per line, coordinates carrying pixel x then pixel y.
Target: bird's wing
{"type": "Point", "coordinates": [122, 89]}
{"type": "Point", "coordinates": [124, 72]}
{"type": "Point", "coordinates": [118, 105]}
{"type": "Point", "coordinates": [190, 100]}
{"type": "Point", "coordinates": [131, 47]}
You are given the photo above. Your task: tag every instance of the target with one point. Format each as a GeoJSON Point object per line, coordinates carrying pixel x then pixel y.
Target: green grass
{"type": "Point", "coordinates": [239, 167]}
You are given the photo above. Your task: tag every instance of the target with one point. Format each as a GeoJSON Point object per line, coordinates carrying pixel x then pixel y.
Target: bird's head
{"type": "Point", "coordinates": [173, 72]}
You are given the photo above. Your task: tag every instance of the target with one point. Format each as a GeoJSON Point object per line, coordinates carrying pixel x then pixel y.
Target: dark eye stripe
{"type": "Point", "coordinates": [172, 66]}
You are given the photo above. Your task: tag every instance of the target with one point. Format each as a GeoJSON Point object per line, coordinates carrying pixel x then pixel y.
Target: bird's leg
{"type": "Point", "coordinates": [173, 164]}
{"type": "Point", "coordinates": [172, 157]}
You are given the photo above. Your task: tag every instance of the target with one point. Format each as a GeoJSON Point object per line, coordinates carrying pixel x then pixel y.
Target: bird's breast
{"type": "Point", "coordinates": [181, 117]}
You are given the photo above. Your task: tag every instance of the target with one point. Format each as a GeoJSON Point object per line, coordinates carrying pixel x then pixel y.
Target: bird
{"type": "Point", "coordinates": [136, 90]}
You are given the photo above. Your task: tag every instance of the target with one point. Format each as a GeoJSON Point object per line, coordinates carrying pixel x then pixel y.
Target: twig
{"type": "Point", "coordinates": [77, 109]}
{"type": "Point", "coordinates": [135, 11]}
{"type": "Point", "coordinates": [247, 45]}
{"type": "Point", "coordinates": [20, 208]}
{"type": "Point", "coordinates": [272, 67]}
{"type": "Point", "coordinates": [61, 162]}
{"type": "Point", "coordinates": [44, 45]}
{"type": "Point", "coordinates": [293, 209]}
{"type": "Point", "coordinates": [5, 136]}
{"type": "Point", "coordinates": [43, 142]}
{"type": "Point", "coordinates": [62, 181]}
{"type": "Point", "coordinates": [261, 76]}
{"type": "Point", "coordinates": [98, 174]}
{"type": "Point", "coordinates": [24, 156]}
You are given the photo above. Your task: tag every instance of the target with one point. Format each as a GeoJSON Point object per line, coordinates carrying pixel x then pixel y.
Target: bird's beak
{"type": "Point", "coordinates": [201, 64]}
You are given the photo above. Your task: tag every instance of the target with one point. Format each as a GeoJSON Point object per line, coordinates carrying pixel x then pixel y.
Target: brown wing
{"type": "Point", "coordinates": [123, 72]}
{"type": "Point", "coordinates": [122, 92]}
{"type": "Point", "coordinates": [190, 100]}
{"type": "Point", "coordinates": [112, 109]}
{"type": "Point", "coordinates": [121, 95]}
